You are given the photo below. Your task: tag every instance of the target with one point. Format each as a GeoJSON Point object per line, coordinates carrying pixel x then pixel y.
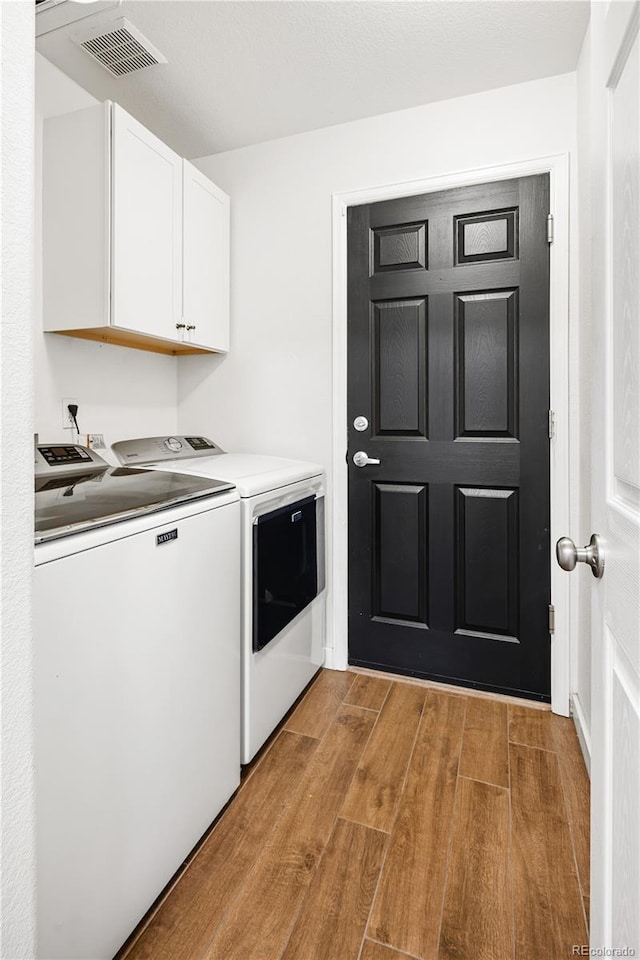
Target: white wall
{"type": "Point", "coordinates": [273, 392]}
{"type": "Point", "coordinates": [17, 840]}
{"type": "Point", "coordinates": [121, 392]}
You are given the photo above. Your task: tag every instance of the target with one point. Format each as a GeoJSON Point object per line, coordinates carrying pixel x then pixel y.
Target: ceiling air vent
{"type": "Point", "coordinates": [120, 47]}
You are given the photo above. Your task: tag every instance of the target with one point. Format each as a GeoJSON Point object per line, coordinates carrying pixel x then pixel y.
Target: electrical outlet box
{"type": "Point", "coordinates": [67, 420]}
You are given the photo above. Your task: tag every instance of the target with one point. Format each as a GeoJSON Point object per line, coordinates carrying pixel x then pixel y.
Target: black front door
{"type": "Point", "coordinates": [448, 361]}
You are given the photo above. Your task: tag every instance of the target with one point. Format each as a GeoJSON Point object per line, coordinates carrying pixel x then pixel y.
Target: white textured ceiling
{"type": "Point", "coordinates": [243, 71]}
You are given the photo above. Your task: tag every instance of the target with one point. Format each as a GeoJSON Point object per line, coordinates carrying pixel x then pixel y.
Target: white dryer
{"type": "Point", "coordinates": [283, 568]}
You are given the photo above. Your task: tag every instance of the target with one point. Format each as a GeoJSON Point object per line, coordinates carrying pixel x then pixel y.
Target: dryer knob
{"type": "Point", "coordinates": [173, 444]}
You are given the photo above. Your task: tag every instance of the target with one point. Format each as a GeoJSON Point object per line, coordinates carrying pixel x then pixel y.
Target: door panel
{"type": "Point", "coordinates": [400, 541]}
{"type": "Point", "coordinates": [486, 237]}
{"type": "Point", "coordinates": [486, 364]}
{"type": "Point", "coordinates": [448, 358]}
{"type": "Point", "coordinates": [402, 247]}
{"type": "Point", "coordinates": [399, 340]}
{"type": "Point", "coordinates": [487, 563]}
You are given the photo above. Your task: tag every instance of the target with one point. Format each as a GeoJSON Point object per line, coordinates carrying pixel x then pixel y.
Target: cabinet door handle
{"type": "Point", "coordinates": [191, 326]}
{"type": "Point", "coordinates": [180, 326]}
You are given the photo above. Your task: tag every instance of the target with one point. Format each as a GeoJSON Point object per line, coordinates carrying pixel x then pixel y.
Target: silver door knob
{"type": "Point", "coordinates": [568, 555]}
{"type": "Point", "coordinates": [361, 459]}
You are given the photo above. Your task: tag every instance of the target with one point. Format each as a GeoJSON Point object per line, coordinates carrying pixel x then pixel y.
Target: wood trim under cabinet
{"type": "Point", "coordinates": [129, 338]}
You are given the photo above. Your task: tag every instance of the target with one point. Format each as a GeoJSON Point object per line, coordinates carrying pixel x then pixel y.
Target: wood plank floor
{"type": "Point", "coordinates": [387, 820]}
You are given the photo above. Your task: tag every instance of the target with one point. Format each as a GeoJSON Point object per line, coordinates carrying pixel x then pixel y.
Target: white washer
{"type": "Point", "coordinates": [275, 675]}
{"type": "Point", "coordinates": [136, 702]}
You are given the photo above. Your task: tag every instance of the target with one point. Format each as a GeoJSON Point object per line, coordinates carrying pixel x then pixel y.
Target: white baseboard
{"type": "Point", "coordinates": [582, 729]}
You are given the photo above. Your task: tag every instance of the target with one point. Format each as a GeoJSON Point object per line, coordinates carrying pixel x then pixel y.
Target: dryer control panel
{"type": "Point", "coordinates": [148, 450]}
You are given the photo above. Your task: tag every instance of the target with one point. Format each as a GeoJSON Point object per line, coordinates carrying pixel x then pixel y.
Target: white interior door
{"type": "Point", "coordinates": [615, 762]}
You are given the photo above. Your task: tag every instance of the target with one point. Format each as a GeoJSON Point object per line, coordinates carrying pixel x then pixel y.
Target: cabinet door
{"type": "Point", "coordinates": [146, 236]}
{"type": "Point", "coordinates": [205, 261]}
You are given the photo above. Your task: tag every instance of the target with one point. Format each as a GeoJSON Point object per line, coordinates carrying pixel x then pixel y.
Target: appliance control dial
{"type": "Point", "coordinates": [173, 444]}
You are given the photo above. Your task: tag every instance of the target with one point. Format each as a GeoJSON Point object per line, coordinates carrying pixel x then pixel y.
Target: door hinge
{"type": "Point", "coordinates": [552, 424]}
{"type": "Point", "coordinates": [552, 618]}
{"type": "Point", "coordinates": [550, 228]}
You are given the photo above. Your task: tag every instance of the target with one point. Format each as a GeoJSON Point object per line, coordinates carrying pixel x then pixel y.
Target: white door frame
{"type": "Point", "coordinates": [557, 167]}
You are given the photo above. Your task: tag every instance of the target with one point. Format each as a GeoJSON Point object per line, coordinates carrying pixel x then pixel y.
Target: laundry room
{"type": "Point", "coordinates": [311, 660]}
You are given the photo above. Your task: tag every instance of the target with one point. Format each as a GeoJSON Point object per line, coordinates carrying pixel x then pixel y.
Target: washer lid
{"type": "Point", "coordinates": [73, 502]}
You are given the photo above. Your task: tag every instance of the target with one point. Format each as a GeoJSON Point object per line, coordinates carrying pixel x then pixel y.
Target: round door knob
{"type": "Point", "coordinates": [568, 555]}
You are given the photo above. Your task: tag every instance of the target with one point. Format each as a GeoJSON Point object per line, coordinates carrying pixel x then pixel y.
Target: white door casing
{"type": "Point", "coordinates": [615, 759]}
{"type": "Point", "coordinates": [563, 505]}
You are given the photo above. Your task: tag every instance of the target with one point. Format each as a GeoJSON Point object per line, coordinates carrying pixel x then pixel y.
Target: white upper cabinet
{"type": "Point", "coordinates": [205, 288]}
{"type": "Point", "coordinates": [136, 240]}
{"type": "Point", "coordinates": [146, 246]}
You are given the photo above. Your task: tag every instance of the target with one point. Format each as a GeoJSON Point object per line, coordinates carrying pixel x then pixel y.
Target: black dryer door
{"type": "Point", "coordinates": [285, 568]}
